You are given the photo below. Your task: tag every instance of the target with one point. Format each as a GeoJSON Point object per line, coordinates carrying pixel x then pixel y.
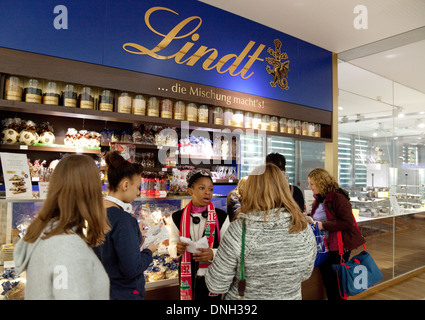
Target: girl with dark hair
{"type": "Point", "coordinates": [120, 253]}
{"type": "Point", "coordinates": [198, 219]}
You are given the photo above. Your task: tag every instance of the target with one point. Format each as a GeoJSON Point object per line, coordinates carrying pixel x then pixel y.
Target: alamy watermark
{"type": "Point", "coordinates": [361, 20]}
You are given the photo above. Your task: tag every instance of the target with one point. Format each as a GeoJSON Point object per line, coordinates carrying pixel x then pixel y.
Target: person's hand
{"type": "Point", "coordinates": [153, 247]}
{"type": "Point", "coordinates": [204, 255]}
{"type": "Point", "coordinates": [181, 247]}
{"type": "Point", "coordinates": [319, 224]}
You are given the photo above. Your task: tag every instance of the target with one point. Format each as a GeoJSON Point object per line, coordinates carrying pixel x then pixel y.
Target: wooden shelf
{"type": "Point", "coordinates": [53, 148]}
{"type": "Point", "coordinates": [78, 113]}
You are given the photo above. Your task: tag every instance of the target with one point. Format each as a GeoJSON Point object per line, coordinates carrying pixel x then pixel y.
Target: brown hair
{"type": "Point", "coordinates": [323, 180]}
{"type": "Point", "coordinates": [270, 190]}
{"type": "Point", "coordinates": [74, 201]}
{"type": "Point", "coordinates": [119, 168]}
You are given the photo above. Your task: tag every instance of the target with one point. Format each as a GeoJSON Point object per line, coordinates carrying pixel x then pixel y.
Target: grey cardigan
{"type": "Point", "coordinates": [62, 267]}
{"type": "Point", "coordinates": [276, 261]}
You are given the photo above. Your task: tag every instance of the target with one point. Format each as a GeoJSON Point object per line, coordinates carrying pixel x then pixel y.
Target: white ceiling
{"type": "Point", "coordinates": [381, 68]}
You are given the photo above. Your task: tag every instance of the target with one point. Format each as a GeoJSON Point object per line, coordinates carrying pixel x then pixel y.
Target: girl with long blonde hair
{"type": "Point", "coordinates": [279, 247]}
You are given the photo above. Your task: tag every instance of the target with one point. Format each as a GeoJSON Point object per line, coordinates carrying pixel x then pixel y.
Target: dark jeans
{"type": "Point", "coordinates": [329, 276]}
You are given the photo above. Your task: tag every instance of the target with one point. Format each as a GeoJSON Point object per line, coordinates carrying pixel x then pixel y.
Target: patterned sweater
{"type": "Point", "coordinates": [276, 261]}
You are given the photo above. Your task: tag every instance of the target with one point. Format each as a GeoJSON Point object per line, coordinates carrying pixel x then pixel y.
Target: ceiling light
{"type": "Point", "coordinates": [401, 115]}
{"type": "Point", "coordinates": [340, 108]}
{"type": "Point", "coordinates": [375, 134]}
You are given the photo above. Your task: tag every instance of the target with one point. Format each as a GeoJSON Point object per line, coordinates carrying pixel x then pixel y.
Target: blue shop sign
{"type": "Point", "coordinates": [180, 39]}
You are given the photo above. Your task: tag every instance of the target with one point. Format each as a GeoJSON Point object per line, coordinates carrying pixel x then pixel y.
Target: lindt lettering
{"type": "Point", "coordinates": [240, 63]}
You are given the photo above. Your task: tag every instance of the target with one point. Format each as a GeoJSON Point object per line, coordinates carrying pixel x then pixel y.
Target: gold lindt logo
{"type": "Point", "coordinates": [211, 62]}
{"type": "Point", "coordinates": [280, 69]}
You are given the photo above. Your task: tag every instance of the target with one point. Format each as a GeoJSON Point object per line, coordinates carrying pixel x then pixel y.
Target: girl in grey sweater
{"type": "Point", "coordinates": [280, 248]}
{"type": "Point", "coordinates": [56, 251]}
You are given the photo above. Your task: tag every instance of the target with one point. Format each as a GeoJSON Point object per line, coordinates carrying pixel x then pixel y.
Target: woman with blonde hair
{"type": "Point", "coordinates": [279, 247]}
{"type": "Point", "coordinates": [332, 212]}
{"type": "Point", "coordinates": [56, 251]}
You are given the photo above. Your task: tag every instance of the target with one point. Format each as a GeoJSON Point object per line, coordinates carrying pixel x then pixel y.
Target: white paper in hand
{"type": "Point", "coordinates": [193, 246]}
{"type": "Point", "coordinates": [155, 234]}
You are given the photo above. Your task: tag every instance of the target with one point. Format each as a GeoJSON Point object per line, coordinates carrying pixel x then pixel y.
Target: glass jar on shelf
{"type": "Point", "coordinates": [124, 102]}
{"type": "Point", "coordinates": [179, 110]}
{"type": "Point", "coordinates": [106, 100]}
{"type": "Point", "coordinates": [247, 120]}
{"type": "Point", "coordinates": [304, 130]}
{"type": "Point", "coordinates": [13, 89]}
{"type": "Point", "coordinates": [51, 93]}
{"type": "Point", "coordinates": [191, 112]}
{"type": "Point", "coordinates": [283, 125]}
{"type": "Point", "coordinates": [69, 95]}
{"type": "Point", "coordinates": [86, 98]}
{"type": "Point", "coordinates": [139, 105]}
{"type": "Point", "coordinates": [218, 115]}
{"type": "Point", "coordinates": [265, 122]}
{"type": "Point", "coordinates": [274, 124]}
{"type": "Point", "coordinates": [153, 107]}
{"type": "Point", "coordinates": [238, 118]}
{"type": "Point", "coordinates": [256, 121]}
{"type": "Point", "coordinates": [290, 126]}
{"type": "Point", "coordinates": [317, 130]}
{"type": "Point", "coordinates": [311, 129]}
{"type": "Point", "coordinates": [203, 113]}
{"type": "Point", "coordinates": [166, 108]}
{"type": "Point", "coordinates": [297, 127]}
{"type": "Point", "coordinates": [228, 117]}
{"type": "Point", "coordinates": [32, 91]}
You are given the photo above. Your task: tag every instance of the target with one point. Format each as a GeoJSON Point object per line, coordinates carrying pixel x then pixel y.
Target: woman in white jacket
{"type": "Point", "coordinates": [280, 247]}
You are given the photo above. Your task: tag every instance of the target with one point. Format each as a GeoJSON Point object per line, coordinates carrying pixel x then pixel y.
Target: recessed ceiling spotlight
{"type": "Point", "coordinates": [340, 108]}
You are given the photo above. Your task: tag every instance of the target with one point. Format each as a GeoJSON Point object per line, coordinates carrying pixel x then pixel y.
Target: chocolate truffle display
{"type": "Point", "coordinates": [32, 91]}
{"type": "Point", "coordinates": [51, 93]}
{"type": "Point", "coordinates": [139, 105]}
{"type": "Point", "coordinates": [69, 96]}
{"type": "Point", "coordinates": [203, 114]}
{"type": "Point", "coordinates": [179, 110]}
{"type": "Point", "coordinates": [153, 107]}
{"type": "Point", "coordinates": [13, 89]}
{"type": "Point", "coordinates": [124, 102]}
{"type": "Point", "coordinates": [166, 108]}
{"type": "Point", "coordinates": [106, 100]}
{"type": "Point", "coordinates": [86, 98]}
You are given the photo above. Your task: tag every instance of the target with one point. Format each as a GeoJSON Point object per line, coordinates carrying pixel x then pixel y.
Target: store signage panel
{"type": "Point", "coordinates": [179, 39]}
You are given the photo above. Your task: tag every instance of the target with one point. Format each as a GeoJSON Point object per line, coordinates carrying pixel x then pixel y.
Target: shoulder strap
{"type": "Point", "coordinates": [242, 281]}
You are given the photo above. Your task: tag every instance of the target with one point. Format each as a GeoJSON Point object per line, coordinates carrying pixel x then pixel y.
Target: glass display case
{"type": "Point", "coordinates": [16, 215]}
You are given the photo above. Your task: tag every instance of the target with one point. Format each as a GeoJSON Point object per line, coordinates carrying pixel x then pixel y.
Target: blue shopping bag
{"type": "Point", "coordinates": [322, 245]}
{"type": "Point", "coordinates": [356, 275]}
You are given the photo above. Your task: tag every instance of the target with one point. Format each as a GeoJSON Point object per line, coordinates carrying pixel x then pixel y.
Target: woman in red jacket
{"type": "Point", "coordinates": [332, 211]}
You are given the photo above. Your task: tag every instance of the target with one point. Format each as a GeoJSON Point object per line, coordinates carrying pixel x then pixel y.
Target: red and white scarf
{"type": "Point", "coordinates": [185, 264]}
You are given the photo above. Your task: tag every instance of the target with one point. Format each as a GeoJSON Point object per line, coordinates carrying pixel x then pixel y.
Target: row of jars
{"type": "Point", "coordinates": [71, 95]}
{"type": "Point", "coordinates": [249, 120]}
